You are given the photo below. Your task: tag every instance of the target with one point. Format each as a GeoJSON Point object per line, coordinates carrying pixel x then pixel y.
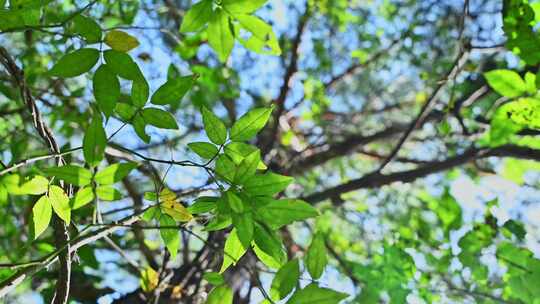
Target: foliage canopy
{"type": "Point", "coordinates": [254, 151]}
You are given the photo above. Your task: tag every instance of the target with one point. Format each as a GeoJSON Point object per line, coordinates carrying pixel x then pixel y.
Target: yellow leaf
{"type": "Point", "coordinates": [121, 41]}
{"type": "Point", "coordinates": [171, 206]}
{"type": "Point", "coordinates": [149, 279]}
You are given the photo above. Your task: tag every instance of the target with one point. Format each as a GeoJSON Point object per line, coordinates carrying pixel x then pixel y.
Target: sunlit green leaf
{"type": "Point", "coordinates": [316, 258]}
{"type": "Point", "coordinates": [170, 236]}
{"type": "Point", "coordinates": [250, 124]}
{"type": "Point", "coordinates": [220, 37]}
{"type": "Point", "coordinates": [60, 203]}
{"type": "Point", "coordinates": [41, 215]}
{"type": "Point", "coordinates": [114, 173]}
{"type": "Point", "coordinates": [204, 149]}
{"type": "Point", "coordinates": [214, 127]}
{"type": "Point", "coordinates": [197, 16]}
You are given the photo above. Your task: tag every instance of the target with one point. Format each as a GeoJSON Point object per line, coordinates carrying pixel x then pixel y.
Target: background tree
{"type": "Point", "coordinates": [278, 151]}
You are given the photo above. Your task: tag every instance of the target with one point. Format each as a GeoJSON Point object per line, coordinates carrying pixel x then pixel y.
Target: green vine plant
{"type": "Point", "coordinates": [247, 205]}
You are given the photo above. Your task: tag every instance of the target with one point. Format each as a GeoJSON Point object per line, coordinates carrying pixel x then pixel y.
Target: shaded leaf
{"type": "Point", "coordinates": [71, 174]}
{"type": "Point", "coordinates": [87, 28]}
{"type": "Point", "coordinates": [94, 142]}
{"type": "Point", "coordinates": [172, 91]}
{"type": "Point", "coordinates": [285, 280]}
{"type": "Point", "coordinates": [106, 89]}
{"type": "Point", "coordinates": [75, 63]}
{"type": "Point", "coordinates": [159, 118]}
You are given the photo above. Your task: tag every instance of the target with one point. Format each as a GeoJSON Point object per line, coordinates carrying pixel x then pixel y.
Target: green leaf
{"type": "Point", "coordinates": [172, 91]}
{"type": "Point", "coordinates": [516, 228]}
{"type": "Point", "coordinates": [215, 129]}
{"type": "Point", "coordinates": [122, 65]}
{"type": "Point", "coordinates": [268, 260]}
{"type": "Point", "coordinates": [278, 213]}
{"type": "Point", "coordinates": [60, 203]}
{"type": "Point", "coordinates": [71, 174]}
{"type": "Point", "coordinates": [87, 28]}
{"type": "Point", "coordinates": [106, 89]}
{"type": "Point", "coordinates": [94, 142]}
{"type": "Point", "coordinates": [225, 168]}
{"type": "Point", "coordinates": [41, 215]}
{"type": "Point", "coordinates": [267, 184]}
{"type": "Point", "coordinates": [285, 280]}
{"type": "Point", "coordinates": [159, 118]}
{"type": "Point", "coordinates": [214, 278]}
{"type": "Point", "coordinates": [247, 167]}
{"type": "Point", "coordinates": [237, 151]}
{"type": "Point", "coordinates": [233, 250]}
{"type": "Point", "coordinates": [108, 193]}
{"type": "Point", "coordinates": [140, 128]}
{"type": "Point", "coordinates": [243, 222]}
{"type": "Point", "coordinates": [243, 6]}
{"type": "Point", "coordinates": [170, 236]}
{"type": "Point", "coordinates": [127, 112]}
{"type": "Point", "coordinates": [262, 39]}
{"type": "Point", "coordinates": [220, 37]}
{"type": "Point", "coordinates": [313, 294]}
{"type": "Point", "coordinates": [35, 186]}
{"type": "Point", "coordinates": [84, 196]}
{"type": "Point", "coordinates": [220, 295]}
{"type": "Point", "coordinates": [75, 63]}
{"type": "Point", "coordinates": [234, 201]}
{"type": "Point", "coordinates": [269, 243]}
{"type": "Point", "coordinates": [219, 222]}
{"type": "Point", "coordinates": [315, 258]}
{"type": "Point", "coordinates": [121, 41]}
{"type": "Point", "coordinates": [250, 124]}
{"type": "Point", "coordinates": [140, 92]}
{"type": "Point", "coordinates": [505, 82]}
{"type": "Point", "coordinates": [204, 149]}
{"type": "Point", "coordinates": [203, 204]}
{"type": "Point", "coordinates": [114, 173]}
{"type": "Point", "coordinates": [197, 16]}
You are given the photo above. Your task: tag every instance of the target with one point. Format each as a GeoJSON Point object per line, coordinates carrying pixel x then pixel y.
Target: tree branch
{"type": "Point", "coordinates": [378, 179]}
{"type": "Point", "coordinates": [292, 68]}
{"type": "Point", "coordinates": [60, 230]}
